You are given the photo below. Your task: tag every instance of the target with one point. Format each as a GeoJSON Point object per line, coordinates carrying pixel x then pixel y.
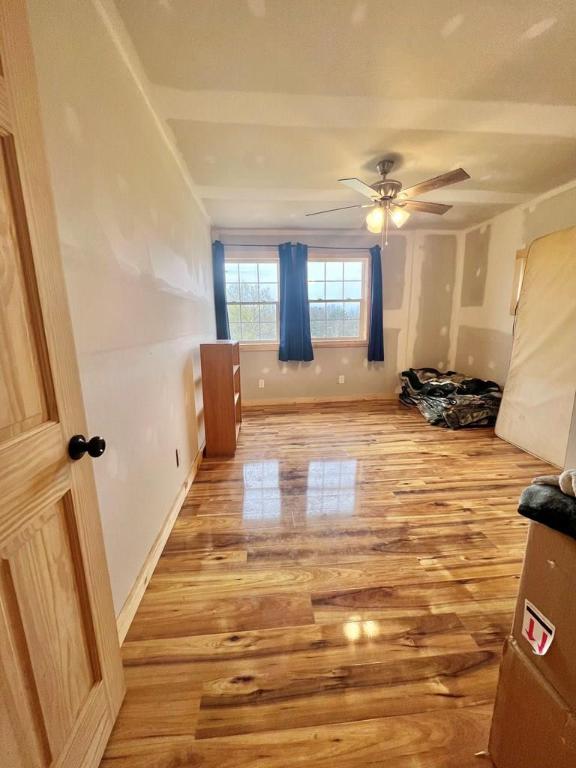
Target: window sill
{"type": "Point", "coordinates": [339, 343]}
{"type": "Point", "coordinates": [263, 346]}
{"type": "Point", "coordinates": [258, 346]}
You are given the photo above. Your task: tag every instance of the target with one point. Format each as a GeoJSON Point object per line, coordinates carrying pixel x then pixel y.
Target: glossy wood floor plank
{"type": "Point", "coordinates": [249, 703]}
{"type": "Point", "coordinates": [444, 739]}
{"type": "Point", "coordinates": [335, 595]}
{"type": "Point", "coordinates": [177, 618]}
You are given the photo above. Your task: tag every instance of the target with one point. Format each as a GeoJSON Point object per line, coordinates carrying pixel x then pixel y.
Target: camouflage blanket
{"type": "Point", "coordinates": [450, 399]}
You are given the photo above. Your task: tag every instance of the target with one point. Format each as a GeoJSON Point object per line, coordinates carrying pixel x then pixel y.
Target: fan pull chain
{"type": "Point", "coordinates": [386, 224]}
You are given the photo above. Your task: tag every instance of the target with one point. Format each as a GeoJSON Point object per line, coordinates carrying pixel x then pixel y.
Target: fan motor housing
{"type": "Point", "coordinates": [387, 188]}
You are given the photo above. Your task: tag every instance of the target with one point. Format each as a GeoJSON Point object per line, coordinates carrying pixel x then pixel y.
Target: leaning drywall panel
{"type": "Point", "coordinates": [570, 461]}
{"type": "Point", "coordinates": [539, 395]}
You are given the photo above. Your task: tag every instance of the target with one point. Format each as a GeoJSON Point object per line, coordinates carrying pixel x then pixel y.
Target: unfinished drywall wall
{"type": "Point", "coordinates": [476, 245]}
{"type": "Point", "coordinates": [136, 250]}
{"type": "Point", "coordinates": [407, 278]}
{"type": "Point", "coordinates": [319, 378]}
{"type": "Point", "coordinates": [436, 274]}
{"type": "Point", "coordinates": [483, 352]}
{"type": "Point", "coordinates": [483, 330]}
{"type": "Point", "coordinates": [550, 214]}
{"type": "Point", "coordinates": [394, 273]}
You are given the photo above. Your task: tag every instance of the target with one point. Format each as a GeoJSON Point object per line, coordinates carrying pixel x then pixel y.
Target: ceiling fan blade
{"type": "Point", "coordinates": [418, 206]}
{"type": "Point", "coordinates": [359, 186]}
{"type": "Point", "coordinates": [452, 177]}
{"type": "Point", "coordinates": [345, 208]}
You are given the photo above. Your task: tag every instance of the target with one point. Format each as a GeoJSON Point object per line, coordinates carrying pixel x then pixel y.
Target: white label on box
{"type": "Point", "coordinates": [537, 629]}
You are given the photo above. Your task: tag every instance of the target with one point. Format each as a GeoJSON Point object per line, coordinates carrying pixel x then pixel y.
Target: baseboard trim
{"type": "Point", "coordinates": [318, 400]}
{"type": "Point", "coordinates": [128, 610]}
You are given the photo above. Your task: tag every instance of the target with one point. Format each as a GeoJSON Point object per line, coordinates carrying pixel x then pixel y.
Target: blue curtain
{"type": "Point", "coordinates": [222, 324]}
{"type": "Point", "coordinates": [376, 335]}
{"type": "Point", "coordinates": [295, 339]}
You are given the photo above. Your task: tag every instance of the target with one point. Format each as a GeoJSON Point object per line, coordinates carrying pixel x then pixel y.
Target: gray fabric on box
{"type": "Point", "coordinates": [548, 505]}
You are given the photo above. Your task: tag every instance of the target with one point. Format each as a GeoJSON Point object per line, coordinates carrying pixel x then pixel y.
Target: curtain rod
{"type": "Point", "coordinates": [315, 247]}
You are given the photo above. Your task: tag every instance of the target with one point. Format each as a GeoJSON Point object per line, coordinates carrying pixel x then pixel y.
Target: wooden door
{"type": "Point", "coordinates": [61, 681]}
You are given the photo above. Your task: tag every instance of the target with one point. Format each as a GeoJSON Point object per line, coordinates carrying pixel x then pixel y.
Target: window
{"type": "Point", "coordinates": [252, 298]}
{"type": "Point", "coordinates": [337, 291]}
{"type": "Point", "coordinates": [337, 295]}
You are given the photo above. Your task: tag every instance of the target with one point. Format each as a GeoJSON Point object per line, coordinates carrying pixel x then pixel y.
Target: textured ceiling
{"type": "Point", "coordinates": [271, 101]}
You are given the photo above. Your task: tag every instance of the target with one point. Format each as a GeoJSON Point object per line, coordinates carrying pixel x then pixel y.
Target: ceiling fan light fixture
{"type": "Point", "coordinates": [375, 220]}
{"type": "Point", "coordinates": [399, 216]}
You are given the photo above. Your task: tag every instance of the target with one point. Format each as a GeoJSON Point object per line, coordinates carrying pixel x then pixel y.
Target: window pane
{"type": "Point", "coordinates": [235, 331]}
{"type": "Point", "coordinates": [351, 328]}
{"type": "Point", "coordinates": [269, 292]}
{"type": "Point", "coordinates": [315, 291]}
{"type": "Point", "coordinates": [353, 270]}
{"type": "Point", "coordinates": [232, 292]}
{"type": "Point", "coordinates": [352, 310]}
{"type": "Point", "coordinates": [249, 313]}
{"type": "Point", "coordinates": [353, 290]}
{"type": "Point", "coordinates": [248, 273]}
{"type": "Point", "coordinates": [334, 310]}
{"type": "Point", "coordinates": [268, 272]}
{"type": "Point", "coordinates": [231, 272]}
{"type": "Point", "coordinates": [249, 291]}
{"type": "Point", "coordinates": [315, 270]}
{"type": "Point", "coordinates": [267, 313]}
{"type": "Point", "coordinates": [234, 313]}
{"type": "Point", "coordinates": [317, 311]}
{"type": "Point", "coordinates": [334, 270]}
{"type": "Point", "coordinates": [334, 290]}
{"type": "Point", "coordinates": [250, 331]}
{"type": "Point", "coordinates": [317, 329]}
{"type": "Point", "coordinates": [333, 329]}
{"type": "Point", "coordinates": [267, 331]}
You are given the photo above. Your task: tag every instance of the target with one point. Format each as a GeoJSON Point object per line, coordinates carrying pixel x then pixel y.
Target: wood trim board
{"type": "Point", "coordinates": [128, 610]}
{"type": "Point", "coordinates": [319, 400]}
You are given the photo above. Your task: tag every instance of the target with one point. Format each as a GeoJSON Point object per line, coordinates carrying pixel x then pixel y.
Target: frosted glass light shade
{"type": "Point", "coordinates": [375, 220]}
{"type": "Point", "coordinates": [399, 216]}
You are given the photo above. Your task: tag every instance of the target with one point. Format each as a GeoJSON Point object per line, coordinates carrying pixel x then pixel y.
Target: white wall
{"type": "Point", "coordinates": [136, 250]}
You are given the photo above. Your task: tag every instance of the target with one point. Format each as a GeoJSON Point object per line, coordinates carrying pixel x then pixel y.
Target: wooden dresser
{"type": "Point", "coordinates": [222, 399]}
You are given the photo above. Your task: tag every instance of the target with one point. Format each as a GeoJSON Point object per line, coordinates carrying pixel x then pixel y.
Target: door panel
{"type": "Point", "coordinates": [22, 733]}
{"type": "Point", "coordinates": [22, 401]}
{"type": "Point", "coordinates": [48, 595]}
{"type": "Point", "coordinates": [61, 680]}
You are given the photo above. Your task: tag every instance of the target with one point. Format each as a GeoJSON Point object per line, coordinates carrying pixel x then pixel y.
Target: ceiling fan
{"type": "Point", "coordinates": [390, 201]}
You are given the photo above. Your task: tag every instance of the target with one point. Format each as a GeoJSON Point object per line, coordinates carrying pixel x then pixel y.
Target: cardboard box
{"type": "Point", "coordinates": [532, 726]}
{"type": "Point", "coordinates": [548, 583]}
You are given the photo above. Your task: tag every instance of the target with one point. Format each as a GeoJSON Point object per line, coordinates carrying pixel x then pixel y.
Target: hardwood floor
{"type": "Point", "coordinates": [336, 595]}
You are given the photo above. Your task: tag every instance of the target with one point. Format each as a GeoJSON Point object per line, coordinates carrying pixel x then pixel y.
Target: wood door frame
{"type": "Point", "coordinates": [20, 114]}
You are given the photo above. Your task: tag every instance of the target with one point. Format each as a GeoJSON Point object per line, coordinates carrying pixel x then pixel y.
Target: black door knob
{"type": "Point", "coordinates": [78, 446]}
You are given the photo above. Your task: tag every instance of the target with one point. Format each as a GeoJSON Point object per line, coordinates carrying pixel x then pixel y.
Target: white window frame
{"type": "Point", "coordinates": [253, 257]}
{"type": "Point", "coordinates": [362, 340]}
